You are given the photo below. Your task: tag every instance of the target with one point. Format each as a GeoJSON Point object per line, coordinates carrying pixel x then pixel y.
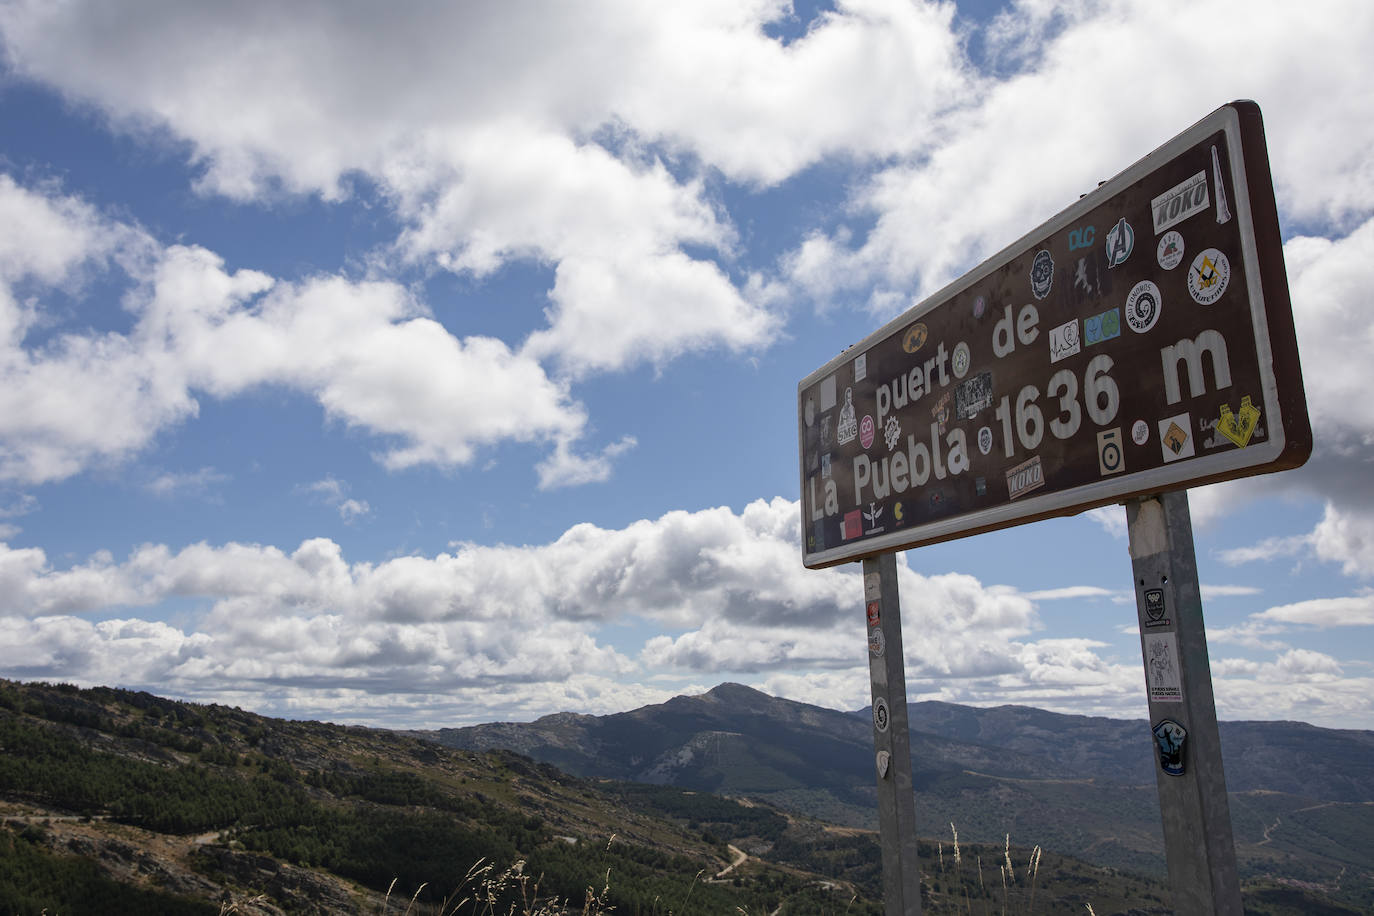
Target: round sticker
{"type": "Point", "coordinates": [914, 338]}
{"type": "Point", "coordinates": [960, 359]}
{"type": "Point", "coordinates": [1042, 274]}
{"type": "Point", "coordinates": [866, 431]}
{"type": "Point", "coordinates": [876, 643]}
{"type": "Point", "coordinates": [1140, 432]}
{"type": "Point", "coordinates": [1143, 306]}
{"type": "Point", "coordinates": [1209, 276]}
{"type": "Point", "coordinates": [1170, 251]}
{"type": "Point", "coordinates": [980, 305]}
{"type": "Point", "coordinates": [1120, 243]}
{"type": "Point", "coordinates": [984, 440]}
{"type": "Point", "coordinates": [810, 412]}
{"type": "Point", "coordinates": [881, 718]}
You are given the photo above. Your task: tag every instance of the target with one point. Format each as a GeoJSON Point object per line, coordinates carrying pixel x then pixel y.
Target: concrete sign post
{"type": "Point", "coordinates": [891, 740]}
{"type": "Point", "coordinates": [1136, 344]}
{"type": "Point", "coordinates": [1183, 717]}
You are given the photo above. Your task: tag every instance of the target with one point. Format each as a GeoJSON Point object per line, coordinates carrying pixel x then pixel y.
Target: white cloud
{"type": "Point", "coordinates": [173, 483]}
{"type": "Point", "coordinates": [982, 197]}
{"type": "Point", "coordinates": [1351, 611]}
{"type": "Point", "coordinates": [1266, 550]}
{"type": "Point", "coordinates": [565, 468]}
{"type": "Point", "coordinates": [367, 351]}
{"type": "Point", "coordinates": [720, 594]}
{"type": "Point", "coordinates": [1068, 591]}
{"type": "Point", "coordinates": [334, 493]}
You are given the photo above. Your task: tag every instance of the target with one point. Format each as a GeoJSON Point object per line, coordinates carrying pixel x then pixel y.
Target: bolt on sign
{"type": "Point", "coordinates": [1138, 342]}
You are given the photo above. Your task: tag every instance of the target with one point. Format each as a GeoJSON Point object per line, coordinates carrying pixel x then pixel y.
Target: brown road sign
{"type": "Point", "coordinates": [1140, 341]}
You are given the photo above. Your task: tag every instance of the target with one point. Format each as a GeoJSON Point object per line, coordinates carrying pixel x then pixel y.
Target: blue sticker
{"type": "Point", "coordinates": [1105, 326]}
{"type": "Point", "coordinates": [1170, 738]}
{"type": "Point", "coordinates": [1120, 242]}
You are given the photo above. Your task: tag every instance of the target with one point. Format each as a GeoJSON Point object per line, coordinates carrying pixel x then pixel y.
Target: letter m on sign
{"type": "Point", "coordinates": [1190, 352]}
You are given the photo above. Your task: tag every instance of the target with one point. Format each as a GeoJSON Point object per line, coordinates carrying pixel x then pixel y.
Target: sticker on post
{"type": "Point", "coordinates": [1161, 668]}
{"type": "Point", "coordinates": [1170, 738]}
{"type": "Point", "coordinates": [872, 612]}
{"type": "Point", "coordinates": [1155, 608]}
{"type": "Point", "coordinates": [876, 642]}
{"type": "Point", "coordinates": [881, 717]}
{"type": "Point", "coordinates": [884, 763]}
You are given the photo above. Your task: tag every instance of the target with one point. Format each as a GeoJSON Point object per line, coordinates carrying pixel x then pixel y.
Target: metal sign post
{"type": "Point", "coordinates": [891, 740]}
{"type": "Point", "coordinates": [1183, 717]}
{"type": "Point", "coordinates": [1138, 343]}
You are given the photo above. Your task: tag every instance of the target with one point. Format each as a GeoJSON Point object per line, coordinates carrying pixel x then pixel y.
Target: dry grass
{"type": "Point", "coordinates": [968, 896]}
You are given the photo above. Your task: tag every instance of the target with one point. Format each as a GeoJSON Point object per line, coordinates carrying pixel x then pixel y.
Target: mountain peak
{"type": "Point", "coordinates": [736, 694]}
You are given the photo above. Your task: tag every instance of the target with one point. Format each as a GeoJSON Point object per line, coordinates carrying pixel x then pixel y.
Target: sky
{"type": "Point", "coordinates": [427, 364]}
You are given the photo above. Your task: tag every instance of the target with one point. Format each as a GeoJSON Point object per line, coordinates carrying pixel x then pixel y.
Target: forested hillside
{"type": "Point", "coordinates": [177, 808]}
{"type": "Point", "coordinates": [113, 801]}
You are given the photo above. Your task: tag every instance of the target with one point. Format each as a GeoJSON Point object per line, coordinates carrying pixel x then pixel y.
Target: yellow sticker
{"type": "Point", "coordinates": [1239, 426]}
{"type": "Point", "coordinates": [914, 338]}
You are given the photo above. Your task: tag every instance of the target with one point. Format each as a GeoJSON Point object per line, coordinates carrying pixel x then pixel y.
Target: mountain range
{"type": "Point", "coordinates": [1301, 797]}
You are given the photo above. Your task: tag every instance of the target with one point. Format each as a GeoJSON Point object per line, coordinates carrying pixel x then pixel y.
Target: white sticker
{"type": "Point", "coordinates": [876, 642]}
{"type": "Point", "coordinates": [881, 717]}
{"type": "Point", "coordinates": [828, 394]}
{"type": "Point", "coordinates": [1209, 276]}
{"type": "Point", "coordinates": [1185, 199]}
{"type": "Point", "coordinates": [861, 367]}
{"type": "Point", "coordinates": [984, 440]}
{"type": "Point", "coordinates": [1161, 668]}
{"type": "Point", "coordinates": [873, 587]}
{"type": "Point", "coordinates": [1170, 251]}
{"type": "Point", "coordinates": [1064, 341]}
{"type": "Point", "coordinates": [1110, 460]}
{"type": "Point", "coordinates": [847, 430]}
{"type": "Point", "coordinates": [960, 359]}
{"type": "Point", "coordinates": [1140, 432]}
{"type": "Point", "coordinates": [1143, 306]}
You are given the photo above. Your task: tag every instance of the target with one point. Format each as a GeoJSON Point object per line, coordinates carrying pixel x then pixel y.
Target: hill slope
{"type": "Point", "coordinates": [114, 801]}
{"type": "Point", "coordinates": [1302, 797]}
